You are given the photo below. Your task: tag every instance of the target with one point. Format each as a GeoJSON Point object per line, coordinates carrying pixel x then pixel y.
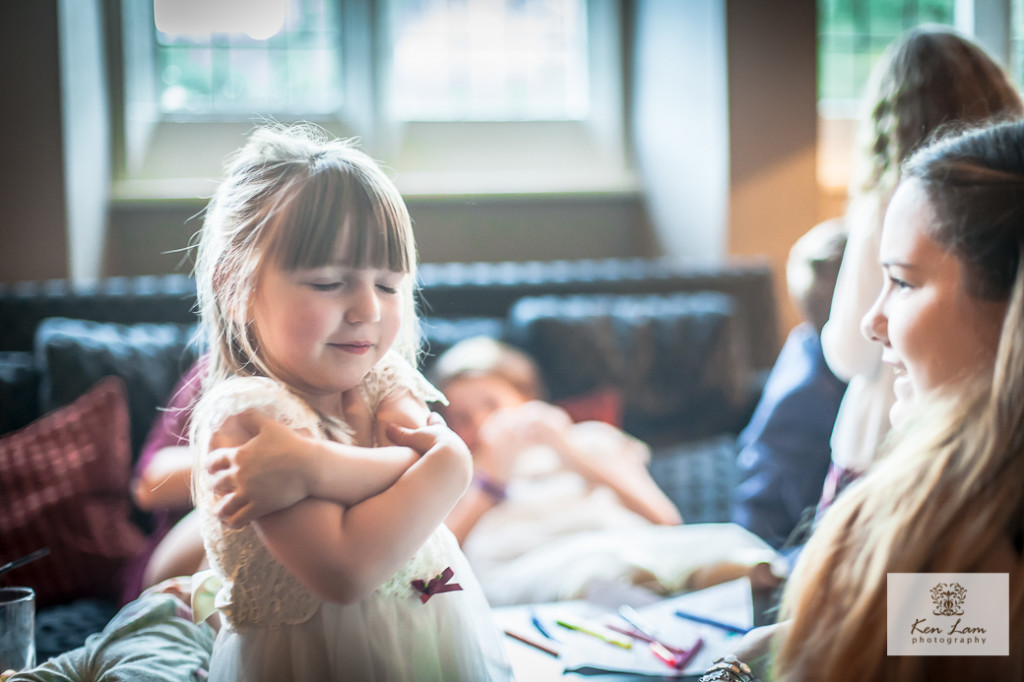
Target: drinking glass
{"type": "Point", "coordinates": [17, 628]}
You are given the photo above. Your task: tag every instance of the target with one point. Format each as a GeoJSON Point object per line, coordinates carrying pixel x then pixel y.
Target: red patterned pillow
{"type": "Point", "coordinates": [64, 485]}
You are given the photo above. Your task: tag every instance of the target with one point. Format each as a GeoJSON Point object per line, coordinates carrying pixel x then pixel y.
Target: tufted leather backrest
{"type": "Point", "coordinates": [679, 361]}
{"type": "Point", "coordinates": [489, 290]}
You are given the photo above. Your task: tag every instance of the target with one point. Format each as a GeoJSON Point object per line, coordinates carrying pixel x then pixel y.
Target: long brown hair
{"type": "Point", "coordinates": [948, 495]}
{"type": "Point", "coordinates": [928, 82]}
{"type": "Point", "coordinates": [930, 77]}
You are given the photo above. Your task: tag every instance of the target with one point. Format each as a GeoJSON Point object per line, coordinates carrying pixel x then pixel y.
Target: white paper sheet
{"type": "Point", "coordinates": [586, 654]}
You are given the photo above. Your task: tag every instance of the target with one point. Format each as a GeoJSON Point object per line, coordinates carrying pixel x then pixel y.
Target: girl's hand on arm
{"type": "Point", "coordinates": [435, 440]}
{"type": "Point", "coordinates": [403, 409]}
{"type": "Point", "coordinates": [256, 466]}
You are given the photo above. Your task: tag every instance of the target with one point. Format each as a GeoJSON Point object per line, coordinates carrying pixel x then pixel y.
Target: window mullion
{"type": "Point", "coordinates": [360, 70]}
{"type": "Point", "coordinates": [988, 22]}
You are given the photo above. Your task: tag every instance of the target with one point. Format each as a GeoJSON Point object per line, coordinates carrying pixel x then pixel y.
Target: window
{"type": "Point", "coordinates": [224, 57]}
{"type": "Point", "coordinates": [855, 32]}
{"type": "Point", "coordinates": [455, 96]}
{"type": "Point", "coordinates": [451, 60]}
{"type": "Point", "coordinates": [490, 60]}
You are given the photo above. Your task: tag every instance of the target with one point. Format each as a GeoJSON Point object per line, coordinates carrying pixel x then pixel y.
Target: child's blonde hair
{"type": "Point", "coordinates": [483, 356]}
{"type": "Point", "coordinates": [293, 194]}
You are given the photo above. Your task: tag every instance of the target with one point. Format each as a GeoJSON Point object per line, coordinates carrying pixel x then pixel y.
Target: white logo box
{"type": "Point", "coordinates": [948, 614]}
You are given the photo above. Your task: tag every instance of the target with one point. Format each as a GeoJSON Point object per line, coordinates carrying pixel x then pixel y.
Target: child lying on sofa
{"type": "Point", "coordinates": [556, 505]}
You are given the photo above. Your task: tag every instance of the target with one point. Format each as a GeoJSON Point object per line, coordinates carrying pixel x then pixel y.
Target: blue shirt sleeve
{"type": "Point", "coordinates": [784, 451]}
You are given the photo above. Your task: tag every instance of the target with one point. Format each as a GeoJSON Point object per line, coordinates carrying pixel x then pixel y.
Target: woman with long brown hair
{"type": "Point", "coordinates": [929, 79]}
{"type": "Point", "coordinates": [947, 497]}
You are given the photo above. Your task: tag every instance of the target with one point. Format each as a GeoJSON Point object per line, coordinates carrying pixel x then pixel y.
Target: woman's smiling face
{"type": "Point", "coordinates": [933, 333]}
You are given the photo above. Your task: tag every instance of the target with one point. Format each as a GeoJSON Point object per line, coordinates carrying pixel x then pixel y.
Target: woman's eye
{"type": "Point", "coordinates": [386, 289]}
{"type": "Point", "coordinates": [325, 286]}
{"type": "Point", "coordinates": [899, 283]}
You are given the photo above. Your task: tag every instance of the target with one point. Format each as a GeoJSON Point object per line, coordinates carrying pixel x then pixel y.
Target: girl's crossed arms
{"type": "Point", "coordinates": [322, 507]}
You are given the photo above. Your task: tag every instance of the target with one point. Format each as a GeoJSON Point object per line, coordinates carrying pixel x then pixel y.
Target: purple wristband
{"type": "Point", "coordinates": [494, 490]}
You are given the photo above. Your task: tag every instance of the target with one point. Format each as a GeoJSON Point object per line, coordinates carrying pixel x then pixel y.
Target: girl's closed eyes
{"type": "Point", "coordinates": [330, 278]}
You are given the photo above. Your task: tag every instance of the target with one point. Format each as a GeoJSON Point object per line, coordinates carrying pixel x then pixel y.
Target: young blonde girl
{"type": "Point", "coordinates": [305, 275]}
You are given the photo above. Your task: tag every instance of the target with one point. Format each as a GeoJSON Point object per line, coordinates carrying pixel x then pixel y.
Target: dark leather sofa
{"type": "Point", "coordinates": [685, 350]}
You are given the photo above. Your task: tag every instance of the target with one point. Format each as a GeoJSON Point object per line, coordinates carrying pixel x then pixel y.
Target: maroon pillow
{"type": "Point", "coordinates": [602, 404]}
{"type": "Point", "coordinates": [64, 485]}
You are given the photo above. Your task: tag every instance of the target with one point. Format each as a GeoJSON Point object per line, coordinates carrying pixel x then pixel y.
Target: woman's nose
{"type": "Point", "coordinates": [873, 324]}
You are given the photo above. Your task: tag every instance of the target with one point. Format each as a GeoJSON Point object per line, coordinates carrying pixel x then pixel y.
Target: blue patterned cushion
{"type": "Point", "coordinates": [699, 477]}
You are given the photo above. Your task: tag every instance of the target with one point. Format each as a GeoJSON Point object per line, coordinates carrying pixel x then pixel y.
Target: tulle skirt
{"type": "Point", "coordinates": [451, 637]}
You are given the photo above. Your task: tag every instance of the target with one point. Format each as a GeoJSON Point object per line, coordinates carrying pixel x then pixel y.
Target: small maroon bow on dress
{"type": "Point", "coordinates": [437, 585]}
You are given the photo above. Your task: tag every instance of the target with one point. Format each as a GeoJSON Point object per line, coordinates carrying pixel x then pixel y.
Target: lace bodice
{"type": "Point", "coordinates": [257, 590]}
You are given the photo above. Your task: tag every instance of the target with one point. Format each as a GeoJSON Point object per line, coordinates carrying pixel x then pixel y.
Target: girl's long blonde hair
{"type": "Point", "coordinates": [949, 493]}
{"type": "Point", "coordinates": [292, 194]}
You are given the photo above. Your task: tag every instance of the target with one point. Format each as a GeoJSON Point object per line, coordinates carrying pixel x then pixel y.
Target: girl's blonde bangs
{"type": "Point", "coordinates": [342, 210]}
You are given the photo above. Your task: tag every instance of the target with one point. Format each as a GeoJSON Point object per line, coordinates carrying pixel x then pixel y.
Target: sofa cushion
{"type": "Point", "coordinates": [64, 483]}
{"type": "Point", "coordinates": [19, 390]}
{"type": "Point", "coordinates": [128, 300]}
{"type": "Point", "coordinates": [678, 360]}
{"type": "Point", "coordinates": [72, 355]}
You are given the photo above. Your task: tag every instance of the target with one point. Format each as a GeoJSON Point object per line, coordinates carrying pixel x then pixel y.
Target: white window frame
{"type": "Point", "coordinates": [175, 156]}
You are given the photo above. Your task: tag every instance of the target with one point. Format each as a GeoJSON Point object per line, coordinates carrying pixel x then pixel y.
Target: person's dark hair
{"type": "Point", "coordinates": [975, 185]}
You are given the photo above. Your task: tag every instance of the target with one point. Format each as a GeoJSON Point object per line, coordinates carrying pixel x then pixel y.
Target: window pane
{"type": "Point", "coordinates": [853, 33]}
{"type": "Point", "coordinates": [489, 60]}
{"type": "Point", "coordinates": [241, 57]}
